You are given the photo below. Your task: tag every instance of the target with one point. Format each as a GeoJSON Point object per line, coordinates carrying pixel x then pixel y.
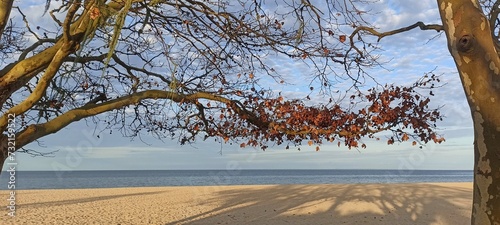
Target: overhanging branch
{"type": "Point", "coordinates": [381, 35]}
{"type": "Point", "coordinates": [41, 87]}
{"type": "Point", "coordinates": [36, 131]}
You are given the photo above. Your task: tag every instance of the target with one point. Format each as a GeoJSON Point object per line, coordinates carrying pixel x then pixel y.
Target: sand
{"type": "Point", "coordinates": [428, 203]}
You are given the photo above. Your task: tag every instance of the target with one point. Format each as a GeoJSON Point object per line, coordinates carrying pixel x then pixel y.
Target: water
{"type": "Point", "coordinates": [151, 178]}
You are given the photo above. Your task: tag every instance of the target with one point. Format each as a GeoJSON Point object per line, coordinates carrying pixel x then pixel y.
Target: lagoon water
{"type": "Point", "coordinates": [151, 178]}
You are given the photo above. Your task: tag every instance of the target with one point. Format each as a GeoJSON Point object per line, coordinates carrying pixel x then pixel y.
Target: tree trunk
{"type": "Point", "coordinates": [471, 44]}
{"type": "Point", "coordinates": [5, 8]}
{"type": "Point", "coordinates": [3, 150]}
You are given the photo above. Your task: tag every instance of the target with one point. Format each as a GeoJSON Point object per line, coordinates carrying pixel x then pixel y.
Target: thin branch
{"type": "Point", "coordinates": [35, 45]}
{"type": "Point", "coordinates": [41, 87]}
{"type": "Point", "coordinates": [69, 18]}
{"type": "Point", "coordinates": [380, 35]}
{"type": "Point", "coordinates": [495, 10]}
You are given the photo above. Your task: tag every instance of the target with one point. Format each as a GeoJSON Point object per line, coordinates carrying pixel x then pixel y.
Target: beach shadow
{"type": "Point", "coordinates": [94, 198]}
{"type": "Point", "coordinates": [337, 204]}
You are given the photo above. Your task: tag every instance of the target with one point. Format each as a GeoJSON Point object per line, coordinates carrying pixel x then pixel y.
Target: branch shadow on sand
{"type": "Point", "coordinates": [91, 199]}
{"type": "Point", "coordinates": [337, 204]}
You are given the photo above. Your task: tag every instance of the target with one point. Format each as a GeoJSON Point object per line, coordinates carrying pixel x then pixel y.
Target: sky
{"type": "Point", "coordinates": [408, 55]}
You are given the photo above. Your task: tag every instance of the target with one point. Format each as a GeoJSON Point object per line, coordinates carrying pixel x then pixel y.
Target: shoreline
{"type": "Point", "coordinates": [229, 185]}
{"type": "Point", "coordinates": [394, 203]}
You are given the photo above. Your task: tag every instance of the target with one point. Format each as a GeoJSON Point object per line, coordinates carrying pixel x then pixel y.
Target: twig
{"type": "Point", "coordinates": [380, 35]}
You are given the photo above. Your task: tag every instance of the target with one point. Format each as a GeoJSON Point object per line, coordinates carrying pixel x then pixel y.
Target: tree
{"type": "Point", "coordinates": [196, 69]}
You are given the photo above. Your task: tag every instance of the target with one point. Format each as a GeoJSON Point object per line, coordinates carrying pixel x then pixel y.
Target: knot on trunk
{"type": "Point", "coordinates": [465, 44]}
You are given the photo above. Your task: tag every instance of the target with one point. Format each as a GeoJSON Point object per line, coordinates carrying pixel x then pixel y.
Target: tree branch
{"type": "Point", "coordinates": [69, 18]}
{"type": "Point", "coordinates": [42, 85]}
{"type": "Point", "coordinates": [493, 16]}
{"type": "Point", "coordinates": [35, 45]}
{"type": "Point", "coordinates": [373, 32]}
{"type": "Point", "coordinates": [5, 8]}
{"type": "Point", "coordinates": [495, 11]}
{"type": "Point", "coordinates": [36, 131]}
{"type": "Point", "coordinates": [24, 69]}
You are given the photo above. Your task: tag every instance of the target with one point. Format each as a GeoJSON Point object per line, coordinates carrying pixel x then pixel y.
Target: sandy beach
{"type": "Point", "coordinates": [398, 204]}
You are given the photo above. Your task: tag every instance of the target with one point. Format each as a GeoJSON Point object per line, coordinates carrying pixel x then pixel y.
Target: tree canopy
{"type": "Point", "coordinates": [196, 69]}
{"type": "Point", "coordinates": [188, 69]}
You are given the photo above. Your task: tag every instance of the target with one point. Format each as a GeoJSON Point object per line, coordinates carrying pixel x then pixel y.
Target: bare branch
{"type": "Point", "coordinates": [69, 19]}
{"type": "Point", "coordinates": [42, 85]}
{"type": "Point", "coordinates": [36, 131]}
{"type": "Point", "coordinates": [380, 35]}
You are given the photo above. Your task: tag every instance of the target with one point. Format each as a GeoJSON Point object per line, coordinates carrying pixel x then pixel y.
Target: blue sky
{"type": "Point", "coordinates": [409, 56]}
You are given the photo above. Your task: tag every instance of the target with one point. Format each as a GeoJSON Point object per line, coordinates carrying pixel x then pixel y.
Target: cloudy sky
{"type": "Point", "coordinates": [409, 56]}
